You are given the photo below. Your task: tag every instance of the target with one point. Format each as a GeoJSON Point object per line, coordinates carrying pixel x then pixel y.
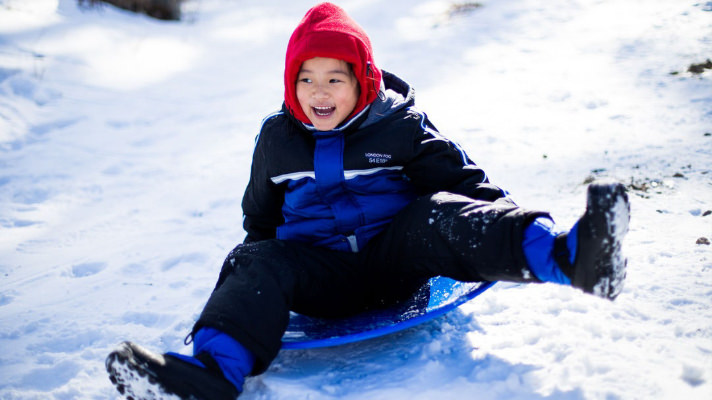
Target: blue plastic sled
{"type": "Point", "coordinates": [437, 297]}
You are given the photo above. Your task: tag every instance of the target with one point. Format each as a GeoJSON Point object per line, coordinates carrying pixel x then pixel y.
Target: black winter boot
{"type": "Point", "coordinates": [599, 267]}
{"type": "Point", "coordinates": [140, 374]}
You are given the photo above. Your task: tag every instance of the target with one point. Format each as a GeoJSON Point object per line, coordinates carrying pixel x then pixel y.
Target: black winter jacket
{"type": "Point", "coordinates": [338, 189]}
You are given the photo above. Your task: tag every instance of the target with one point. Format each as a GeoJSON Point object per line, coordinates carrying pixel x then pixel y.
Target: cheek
{"type": "Point", "coordinates": [353, 96]}
{"type": "Point", "coordinates": [302, 97]}
{"type": "Point", "coordinates": [299, 92]}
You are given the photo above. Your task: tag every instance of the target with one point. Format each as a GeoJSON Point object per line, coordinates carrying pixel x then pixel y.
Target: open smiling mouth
{"type": "Point", "coordinates": [323, 111]}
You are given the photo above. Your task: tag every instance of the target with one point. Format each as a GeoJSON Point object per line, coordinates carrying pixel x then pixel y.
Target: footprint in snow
{"type": "Point", "coordinates": [49, 378]}
{"type": "Point", "coordinates": [87, 269]}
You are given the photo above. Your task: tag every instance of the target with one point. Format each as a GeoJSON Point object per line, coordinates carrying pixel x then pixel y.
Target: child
{"type": "Point", "coordinates": [354, 201]}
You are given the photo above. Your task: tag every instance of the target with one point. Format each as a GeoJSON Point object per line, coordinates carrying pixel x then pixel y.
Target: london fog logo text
{"type": "Point", "coordinates": [378, 158]}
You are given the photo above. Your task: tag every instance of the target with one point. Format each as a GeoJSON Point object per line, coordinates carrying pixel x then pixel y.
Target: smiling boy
{"type": "Point", "coordinates": [327, 91]}
{"type": "Point", "coordinates": [354, 201]}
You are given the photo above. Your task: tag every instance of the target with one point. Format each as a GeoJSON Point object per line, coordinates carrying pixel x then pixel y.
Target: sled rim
{"type": "Point", "coordinates": [311, 343]}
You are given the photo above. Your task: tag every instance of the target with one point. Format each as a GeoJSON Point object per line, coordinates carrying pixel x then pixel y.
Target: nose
{"type": "Point", "coordinates": [320, 91]}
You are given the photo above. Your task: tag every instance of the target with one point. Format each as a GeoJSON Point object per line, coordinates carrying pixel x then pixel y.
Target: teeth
{"type": "Point", "coordinates": [323, 110]}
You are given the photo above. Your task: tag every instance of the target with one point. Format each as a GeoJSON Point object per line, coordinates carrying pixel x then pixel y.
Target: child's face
{"type": "Point", "coordinates": [327, 91]}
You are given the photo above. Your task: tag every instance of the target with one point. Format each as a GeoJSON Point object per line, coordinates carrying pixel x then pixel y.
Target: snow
{"type": "Point", "coordinates": [125, 146]}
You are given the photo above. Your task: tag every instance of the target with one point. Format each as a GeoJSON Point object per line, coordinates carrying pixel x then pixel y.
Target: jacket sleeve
{"type": "Point", "coordinates": [439, 164]}
{"type": "Point", "coordinates": [262, 202]}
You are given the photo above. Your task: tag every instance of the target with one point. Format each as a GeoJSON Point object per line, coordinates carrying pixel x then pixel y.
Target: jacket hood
{"type": "Point", "coordinates": [327, 31]}
{"type": "Point", "coordinates": [396, 94]}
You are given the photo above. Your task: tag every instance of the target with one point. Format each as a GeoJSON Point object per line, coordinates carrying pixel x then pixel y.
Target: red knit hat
{"type": "Point", "coordinates": [327, 31]}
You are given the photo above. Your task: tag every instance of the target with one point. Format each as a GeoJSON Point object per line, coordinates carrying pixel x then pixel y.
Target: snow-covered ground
{"type": "Point", "coordinates": [125, 146]}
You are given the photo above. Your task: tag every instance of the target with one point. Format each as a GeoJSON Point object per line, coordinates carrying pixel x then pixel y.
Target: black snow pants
{"type": "Point", "coordinates": [437, 235]}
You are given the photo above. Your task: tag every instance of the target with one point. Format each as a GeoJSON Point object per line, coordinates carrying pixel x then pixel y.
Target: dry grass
{"type": "Point", "coordinates": [463, 8]}
{"type": "Point", "coordinates": [160, 9]}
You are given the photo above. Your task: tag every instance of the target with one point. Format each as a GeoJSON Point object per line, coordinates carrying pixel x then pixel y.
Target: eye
{"type": "Point", "coordinates": [304, 80]}
{"type": "Point", "coordinates": [334, 80]}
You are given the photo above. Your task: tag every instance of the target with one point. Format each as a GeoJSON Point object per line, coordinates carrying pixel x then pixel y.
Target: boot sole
{"type": "Point", "coordinates": [132, 379]}
{"type": "Point", "coordinates": [610, 264]}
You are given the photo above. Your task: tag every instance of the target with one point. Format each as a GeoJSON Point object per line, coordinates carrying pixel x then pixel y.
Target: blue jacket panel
{"type": "Point", "coordinates": [340, 188]}
{"type": "Point", "coordinates": [341, 209]}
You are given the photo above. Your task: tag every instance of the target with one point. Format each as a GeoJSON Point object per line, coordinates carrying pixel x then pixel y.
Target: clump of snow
{"type": "Point", "coordinates": [125, 147]}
